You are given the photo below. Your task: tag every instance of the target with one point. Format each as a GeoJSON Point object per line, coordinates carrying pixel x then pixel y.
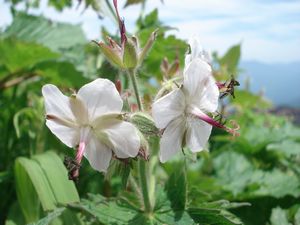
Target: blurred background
{"type": "Point", "coordinates": [48, 41]}
{"type": "Point", "coordinates": [268, 32]}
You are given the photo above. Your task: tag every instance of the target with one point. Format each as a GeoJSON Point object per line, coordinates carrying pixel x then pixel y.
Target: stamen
{"type": "Point", "coordinates": [80, 152]}
{"type": "Point", "coordinates": [215, 123]}
{"type": "Point", "coordinates": [75, 164]}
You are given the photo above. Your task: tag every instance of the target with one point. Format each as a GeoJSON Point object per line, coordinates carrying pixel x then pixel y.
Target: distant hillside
{"type": "Point", "coordinates": [280, 82]}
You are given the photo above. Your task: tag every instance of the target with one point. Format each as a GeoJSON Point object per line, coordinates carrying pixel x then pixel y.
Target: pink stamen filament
{"type": "Point", "coordinates": [80, 152]}
{"type": "Point", "coordinates": [215, 123]}
{"type": "Point", "coordinates": [79, 156]}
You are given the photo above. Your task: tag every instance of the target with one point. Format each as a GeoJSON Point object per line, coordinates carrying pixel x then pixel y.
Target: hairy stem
{"type": "Point", "coordinates": [142, 169]}
{"type": "Point", "coordinates": [144, 185]}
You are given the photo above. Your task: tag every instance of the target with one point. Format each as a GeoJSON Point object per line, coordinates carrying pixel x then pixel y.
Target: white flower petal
{"type": "Point", "coordinates": [197, 52]}
{"type": "Point", "coordinates": [122, 137]}
{"type": "Point", "coordinates": [210, 96]}
{"type": "Point", "coordinates": [100, 97]}
{"type": "Point", "coordinates": [61, 120]}
{"type": "Point", "coordinates": [195, 77]}
{"type": "Point", "coordinates": [168, 108]}
{"type": "Point", "coordinates": [98, 154]}
{"type": "Point", "coordinates": [79, 110]}
{"type": "Point", "coordinates": [171, 141]}
{"type": "Point", "coordinates": [56, 103]}
{"type": "Point", "coordinates": [68, 135]}
{"type": "Point", "coordinates": [197, 134]}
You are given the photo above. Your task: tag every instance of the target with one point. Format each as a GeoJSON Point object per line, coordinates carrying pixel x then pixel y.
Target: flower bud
{"type": "Point", "coordinates": [144, 123]}
{"type": "Point", "coordinates": [174, 68]}
{"type": "Point", "coordinates": [147, 47]}
{"type": "Point", "coordinates": [144, 147]}
{"type": "Point", "coordinates": [112, 53]}
{"type": "Point", "coordinates": [130, 57]}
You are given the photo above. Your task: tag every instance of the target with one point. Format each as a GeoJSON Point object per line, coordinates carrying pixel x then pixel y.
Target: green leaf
{"type": "Point", "coordinates": [277, 183]}
{"type": "Point", "coordinates": [44, 180]}
{"type": "Point", "coordinates": [286, 147]}
{"type": "Point", "coordinates": [165, 210]}
{"type": "Point", "coordinates": [177, 189]}
{"type": "Point", "coordinates": [231, 59]}
{"type": "Point", "coordinates": [63, 189]}
{"type": "Point", "coordinates": [106, 212]}
{"type": "Point", "coordinates": [133, 2]}
{"type": "Point", "coordinates": [213, 216]}
{"type": "Point", "coordinates": [236, 174]}
{"type": "Point", "coordinates": [247, 100]}
{"type": "Point", "coordinates": [32, 187]}
{"type": "Point", "coordinates": [54, 35]}
{"type": "Point", "coordinates": [279, 217]}
{"type": "Point", "coordinates": [60, 5]}
{"type": "Point", "coordinates": [61, 73]}
{"type": "Point", "coordinates": [51, 216]}
{"type": "Point", "coordinates": [17, 55]}
{"type": "Point", "coordinates": [233, 171]}
{"type": "Point", "coordinates": [297, 217]}
{"type": "Point", "coordinates": [5, 175]}
{"type": "Point", "coordinates": [15, 216]}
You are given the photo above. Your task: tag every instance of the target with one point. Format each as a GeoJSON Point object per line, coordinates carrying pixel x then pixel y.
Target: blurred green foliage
{"type": "Point", "coordinates": [257, 173]}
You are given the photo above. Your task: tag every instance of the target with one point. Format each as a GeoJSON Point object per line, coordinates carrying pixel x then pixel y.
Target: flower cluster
{"type": "Point", "coordinates": [92, 121]}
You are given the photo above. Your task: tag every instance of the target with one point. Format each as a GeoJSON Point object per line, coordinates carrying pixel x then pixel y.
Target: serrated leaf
{"type": "Point", "coordinates": [105, 211]}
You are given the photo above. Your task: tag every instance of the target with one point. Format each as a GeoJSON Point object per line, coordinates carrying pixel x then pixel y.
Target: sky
{"type": "Point", "coordinates": [269, 31]}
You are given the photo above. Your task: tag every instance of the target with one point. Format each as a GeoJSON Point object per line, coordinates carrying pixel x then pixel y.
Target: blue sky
{"type": "Point", "coordinates": [268, 30]}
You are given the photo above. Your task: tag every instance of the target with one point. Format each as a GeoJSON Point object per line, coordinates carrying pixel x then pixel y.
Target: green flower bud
{"type": "Point", "coordinates": [147, 47]}
{"type": "Point", "coordinates": [112, 52]}
{"type": "Point", "coordinates": [144, 123]}
{"type": "Point", "coordinates": [130, 57]}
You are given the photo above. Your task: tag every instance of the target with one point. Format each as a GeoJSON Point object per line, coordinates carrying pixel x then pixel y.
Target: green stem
{"type": "Point", "coordinates": [135, 88]}
{"type": "Point", "coordinates": [142, 170]}
{"type": "Point", "coordinates": [144, 185]}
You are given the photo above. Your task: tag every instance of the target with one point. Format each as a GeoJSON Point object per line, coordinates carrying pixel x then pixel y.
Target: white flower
{"type": "Point", "coordinates": [91, 120]}
{"type": "Point", "coordinates": [183, 112]}
{"type": "Point", "coordinates": [196, 51]}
